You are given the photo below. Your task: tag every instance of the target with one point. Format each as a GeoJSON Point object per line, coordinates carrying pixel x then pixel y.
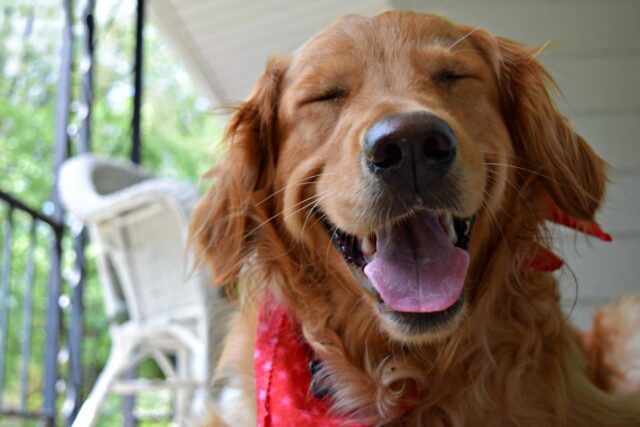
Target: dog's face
{"type": "Point", "coordinates": [400, 138]}
{"type": "Point", "coordinates": [403, 136]}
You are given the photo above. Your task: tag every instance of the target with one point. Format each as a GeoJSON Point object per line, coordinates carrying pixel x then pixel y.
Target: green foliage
{"type": "Point", "coordinates": [179, 135]}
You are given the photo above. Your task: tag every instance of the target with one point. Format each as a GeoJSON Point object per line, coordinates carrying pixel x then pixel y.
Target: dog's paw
{"type": "Point", "coordinates": [613, 345]}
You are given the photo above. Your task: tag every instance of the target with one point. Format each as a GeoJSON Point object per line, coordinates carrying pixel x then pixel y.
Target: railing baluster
{"type": "Point", "coordinates": [76, 331]}
{"type": "Point", "coordinates": [21, 370]}
{"type": "Point", "coordinates": [52, 329]}
{"type": "Point", "coordinates": [4, 295]}
{"type": "Point", "coordinates": [60, 154]}
{"type": "Point", "coordinates": [76, 323]}
{"type": "Point", "coordinates": [27, 317]}
{"type": "Point", "coordinates": [136, 142]}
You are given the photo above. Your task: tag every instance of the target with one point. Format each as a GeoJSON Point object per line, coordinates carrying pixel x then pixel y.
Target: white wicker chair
{"type": "Point", "coordinates": [155, 303]}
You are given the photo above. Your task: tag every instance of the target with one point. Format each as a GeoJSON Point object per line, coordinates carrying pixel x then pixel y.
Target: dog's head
{"type": "Point", "coordinates": [404, 148]}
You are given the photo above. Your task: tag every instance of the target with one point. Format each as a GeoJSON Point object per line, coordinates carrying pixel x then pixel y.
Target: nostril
{"type": "Point", "coordinates": [387, 155]}
{"type": "Point", "coordinates": [402, 145]}
{"type": "Point", "coordinates": [438, 148]}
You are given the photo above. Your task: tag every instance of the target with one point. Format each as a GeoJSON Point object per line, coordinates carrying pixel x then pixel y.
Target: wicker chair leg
{"type": "Point", "coordinates": [90, 409]}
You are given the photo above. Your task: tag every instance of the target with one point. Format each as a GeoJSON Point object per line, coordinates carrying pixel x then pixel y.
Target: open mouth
{"type": "Point", "coordinates": [414, 266]}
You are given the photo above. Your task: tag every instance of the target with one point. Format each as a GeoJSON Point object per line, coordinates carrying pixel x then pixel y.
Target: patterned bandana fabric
{"type": "Point", "coordinates": [283, 379]}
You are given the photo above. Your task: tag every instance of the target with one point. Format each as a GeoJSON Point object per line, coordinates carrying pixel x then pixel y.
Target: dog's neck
{"type": "Point", "coordinates": [384, 366]}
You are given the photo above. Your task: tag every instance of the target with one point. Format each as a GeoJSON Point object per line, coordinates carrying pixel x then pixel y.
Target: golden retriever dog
{"type": "Point", "coordinates": [385, 193]}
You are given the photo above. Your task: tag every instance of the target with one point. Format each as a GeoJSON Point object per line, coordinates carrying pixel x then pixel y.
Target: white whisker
{"type": "Point", "coordinates": [461, 39]}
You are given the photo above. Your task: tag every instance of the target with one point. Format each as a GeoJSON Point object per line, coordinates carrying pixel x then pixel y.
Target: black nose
{"type": "Point", "coordinates": [410, 149]}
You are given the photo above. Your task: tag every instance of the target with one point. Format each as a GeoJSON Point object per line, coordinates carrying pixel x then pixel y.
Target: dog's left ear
{"type": "Point", "coordinates": [230, 221]}
{"type": "Point", "coordinates": [571, 172]}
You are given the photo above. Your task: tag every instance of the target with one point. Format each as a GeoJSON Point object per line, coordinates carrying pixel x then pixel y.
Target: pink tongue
{"type": "Point", "coordinates": [416, 267]}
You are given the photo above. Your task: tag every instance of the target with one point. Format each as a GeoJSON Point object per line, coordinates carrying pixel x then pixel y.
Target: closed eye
{"type": "Point", "coordinates": [448, 77]}
{"type": "Point", "coordinates": [334, 94]}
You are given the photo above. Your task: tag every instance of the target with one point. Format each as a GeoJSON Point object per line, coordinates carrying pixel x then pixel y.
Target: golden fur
{"type": "Point", "coordinates": [509, 358]}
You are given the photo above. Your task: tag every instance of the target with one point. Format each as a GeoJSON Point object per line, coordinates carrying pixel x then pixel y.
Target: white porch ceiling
{"type": "Point", "coordinates": [225, 43]}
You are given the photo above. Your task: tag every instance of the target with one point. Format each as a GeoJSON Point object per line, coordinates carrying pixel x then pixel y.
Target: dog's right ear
{"type": "Point", "coordinates": [570, 172]}
{"type": "Point", "coordinates": [230, 217]}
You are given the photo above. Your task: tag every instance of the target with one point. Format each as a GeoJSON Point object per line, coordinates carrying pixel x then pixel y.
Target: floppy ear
{"type": "Point", "coordinates": [571, 173]}
{"type": "Point", "coordinates": [222, 222]}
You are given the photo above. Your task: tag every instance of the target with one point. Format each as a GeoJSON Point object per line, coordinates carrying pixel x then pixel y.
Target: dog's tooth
{"type": "Point", "coordinates": [367, 246]}
{"type": "Point", "coordinates": [467, 227]}
{"type": "Point", "coordinates": [443, 217]}
{"type": "Point", "coordinates": [446, 221]}
{"type": "Point", "coordinates": [451, 232]}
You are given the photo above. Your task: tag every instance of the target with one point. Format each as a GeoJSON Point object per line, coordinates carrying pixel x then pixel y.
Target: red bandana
{"type": "Point", "coordinates": [281, 365]}
{"type": "Point", "coordinates": [281, 357]}
{"type": "Point", "coordinates": [543, 260]}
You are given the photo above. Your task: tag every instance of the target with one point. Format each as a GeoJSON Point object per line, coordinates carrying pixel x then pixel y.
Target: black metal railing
{"type": "Point", "coordinates": [49, 339]}
{"type": "Point", "coordinates": [19, 284]}
{"type": "Point", "coordinates": [40, 361]}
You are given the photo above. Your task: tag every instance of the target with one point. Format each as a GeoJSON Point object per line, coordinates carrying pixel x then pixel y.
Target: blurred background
{"type": "Point", "coordinates": [202, 54]}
